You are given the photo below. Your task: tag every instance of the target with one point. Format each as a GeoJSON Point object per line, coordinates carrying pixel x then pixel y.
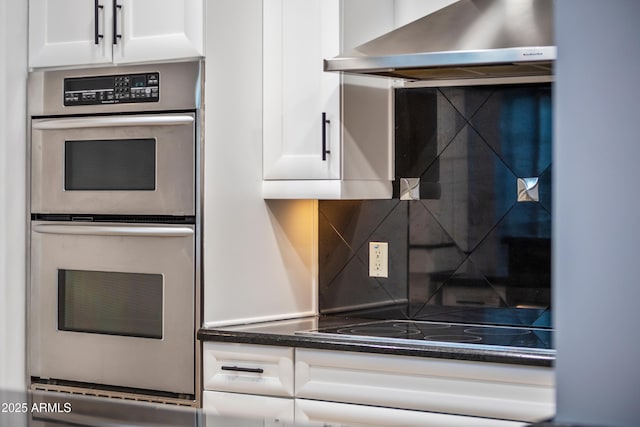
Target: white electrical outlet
{"type": "Point", "coordinates": [378, 259]}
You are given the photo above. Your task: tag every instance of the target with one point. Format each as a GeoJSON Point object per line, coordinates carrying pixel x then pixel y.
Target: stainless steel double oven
{"type": "Point", "coordinates": [114, 277]}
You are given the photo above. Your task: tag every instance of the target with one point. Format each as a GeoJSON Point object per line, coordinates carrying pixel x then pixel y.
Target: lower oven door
{"type": "Point", "coordinates": [113, 304]}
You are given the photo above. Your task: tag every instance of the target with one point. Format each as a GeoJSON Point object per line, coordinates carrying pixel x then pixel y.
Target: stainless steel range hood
{"type": "Point", "coordinates": [468, 39]}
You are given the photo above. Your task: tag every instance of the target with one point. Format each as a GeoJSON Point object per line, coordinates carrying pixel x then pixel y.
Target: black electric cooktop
{"type": "Point", "coordinates": [505, 338]}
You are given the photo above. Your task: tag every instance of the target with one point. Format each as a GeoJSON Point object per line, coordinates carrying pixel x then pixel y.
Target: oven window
{"type": "Point", "coordinates": [118, 164]}
{"type": "Point", "coordinates": [111, 303]}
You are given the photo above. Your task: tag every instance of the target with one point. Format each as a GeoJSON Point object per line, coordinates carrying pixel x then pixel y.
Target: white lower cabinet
{"type": "Point", "coordinates": [333, 388]}
{"type": "Point", "coordinates": [263, 410]}
{"type": "Point", "coordinates": [476, 389]}
{"type": "Point", "coordinates": [332, 414]}
{"type": "Point", "coordinates": [254, 382]}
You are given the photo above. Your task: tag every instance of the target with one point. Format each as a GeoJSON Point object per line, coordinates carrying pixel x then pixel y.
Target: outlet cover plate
{"type": "Point", "coordinates": [378, 259]}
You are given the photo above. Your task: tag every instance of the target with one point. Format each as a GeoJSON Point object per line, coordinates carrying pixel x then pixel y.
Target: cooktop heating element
{"type": "Point", "coordinates": [508, 338]}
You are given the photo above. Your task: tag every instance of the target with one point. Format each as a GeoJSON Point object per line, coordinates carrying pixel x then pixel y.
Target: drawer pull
{"type": "Point", "coordinates": [241, 369]}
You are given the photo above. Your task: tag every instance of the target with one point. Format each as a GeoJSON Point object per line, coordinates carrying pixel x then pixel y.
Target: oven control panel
{"type": "Point", "coordinates": [115, 89]}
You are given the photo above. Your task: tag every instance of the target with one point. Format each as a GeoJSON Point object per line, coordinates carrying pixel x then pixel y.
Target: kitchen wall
{"type": "Point", "coordinates": [476, 245]}
{"type": "Point", "coordinates": [258, 256]}
{"type": "Point", "coordinates": [13, 74]}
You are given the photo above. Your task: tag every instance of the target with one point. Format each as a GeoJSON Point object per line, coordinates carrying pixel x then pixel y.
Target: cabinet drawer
{"type": "Point", "coordinates": [329, 414]}
{"type": "Point", "coordinates": [267, 411]}
{"type": "Point", "coordinates": [245, 368]}
{"type": "Point", "coordinates": [491, 390]}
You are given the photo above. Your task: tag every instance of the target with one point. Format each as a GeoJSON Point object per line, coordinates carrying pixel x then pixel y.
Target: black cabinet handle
{"type": "Point", "coordinates": [96, 35]}
{"type": "Point", "coordinates": [241, 369]}
{"type": "Point", "coordinates": [325, 122]}
{"type": "Point", "coordinates": [116, 36]}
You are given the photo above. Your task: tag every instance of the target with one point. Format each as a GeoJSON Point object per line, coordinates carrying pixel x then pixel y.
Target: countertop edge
{"type": "Point", "coordinates": [479, 355]}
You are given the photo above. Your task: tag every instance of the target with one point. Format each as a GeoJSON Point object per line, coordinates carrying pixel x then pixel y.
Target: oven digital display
{"type": "Point", "coordinates": [116, 89]}
{"type": "Point", "coordinates": [88, 84]}
{"type": "Point", "coordinates": [138, 81]}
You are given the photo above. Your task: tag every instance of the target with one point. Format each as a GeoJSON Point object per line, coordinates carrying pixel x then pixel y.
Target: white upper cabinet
{"type": "Point", "coordinates": [326, 136]}
{"type": "Point", "coordinates": [153, 30]}
{"type": "Point", "coordinates": [297, 94]}
{"type": "Point", "coordinates": [84, 32]}
{"type": "Point", "coordinates": [68, 32]}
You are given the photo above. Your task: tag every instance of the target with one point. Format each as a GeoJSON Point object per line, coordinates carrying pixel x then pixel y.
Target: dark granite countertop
{"type": "Point", "coordinates": [287, 333]}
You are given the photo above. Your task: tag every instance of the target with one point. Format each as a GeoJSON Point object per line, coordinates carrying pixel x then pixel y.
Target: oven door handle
{"type": "Point", "coordinates": [102, 122]}
{"type": "Point", "coordinates": [113, 230]}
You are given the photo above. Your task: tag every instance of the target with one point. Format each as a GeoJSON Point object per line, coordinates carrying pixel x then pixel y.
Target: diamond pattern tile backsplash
{"type": "Point", "coordinates": [476, 245]}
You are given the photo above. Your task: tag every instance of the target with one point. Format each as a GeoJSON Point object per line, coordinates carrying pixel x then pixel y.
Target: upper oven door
{"type": "Point", "coordinates": [121, 164]}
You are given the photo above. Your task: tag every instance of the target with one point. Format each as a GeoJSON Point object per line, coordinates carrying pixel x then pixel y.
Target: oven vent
{"type": "Point", "coordinates": [117, 393]}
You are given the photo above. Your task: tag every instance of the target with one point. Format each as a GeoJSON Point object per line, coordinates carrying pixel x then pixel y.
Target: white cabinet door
{"type": "Point", "coordinates": [157, 30]}
{"type": "Point", "coordinates": [297, 92]}
{"type": "Point", "coordinates": [480, 389]}
{"type": "Point", "coordinates": [332, 414]}
{"type": "Point", "coordinates": [325, 136]}
{"type": "Point", "coordinates": [259, 411]}
{"type": "Point", "coordinates": [68, 32]}
{"type": "Point", "coordinates": [85, 32]}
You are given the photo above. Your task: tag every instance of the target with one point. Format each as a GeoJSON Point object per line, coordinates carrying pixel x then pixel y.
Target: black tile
{"type": "Point", "coordinates": [392, 230]}
{"type": "Point", "coordinates": [426, 122]}
{"type": "Point", "coordinates": [477, 189]}
{"type": "Point", "coordinates": [352, 288]}
{"type": "Point", "coordinates": [467, 287]}
{"type": "Point", "coordinates": [543, 319]}
{"type": "Point", "coordinates": [433, 255]}
{"type": "Point", "coordinates": [516, 122]}
{"type": "Point", "coordinates": [544, 188]}
{"type": "Point", "coordinates": [467, 100]}
{"type": "Point", "coordinates": [356, 220]}
{"type": "Point", "coordinates": [482, 315]}
{"type": "Point", "coordinates": [424, 229]}
{"type": "Point", "coordinates": [345, 229]}
{"type": "Point", "coordinates": [333, 252]}
{"type": "Point", "coordinates": [516, 256]}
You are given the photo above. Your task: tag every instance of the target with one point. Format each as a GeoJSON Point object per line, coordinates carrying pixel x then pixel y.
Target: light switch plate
{"type": "Point", "coordinates": [378, 259]}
